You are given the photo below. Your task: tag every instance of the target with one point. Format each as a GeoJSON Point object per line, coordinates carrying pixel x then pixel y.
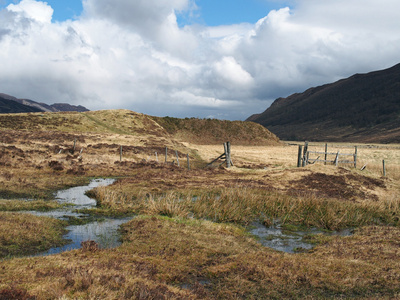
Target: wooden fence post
{"type": "Point", "coordinates": [228, 154]}
{"type": "Point", "coordinates": [225, 149]}
{"type": "Point", "coordinates": [384, 168]}
{"type": "Point", "coordinates": [305, 153]}
{"type": "Point", "coordinates": [337, 159]}
{"type": "Point", "coordinates": [74, 146]}
{"type": "Point", "coordinates": [166, 154]}
{"type": "Point", "coordinates": [177, 157]}
{"type": "Point", "coordinates": [326, 152]}
{"type": "Point", "coordinates": [188, 162]}
{"type": "Point", "coordinates": [299, 156]}
{"type": "Point", "coordinates": [355, 157]}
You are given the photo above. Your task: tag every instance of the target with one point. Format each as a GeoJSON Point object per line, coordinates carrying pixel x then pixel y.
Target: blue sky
{"type": "Point", "coordinates": [225, 59]}
{"type": "Point", "coordinates": [63, 9]}
{"type": "Point", "coordinates": [225, 12]}
{"type": "Point", "coordinates": [209, 12]}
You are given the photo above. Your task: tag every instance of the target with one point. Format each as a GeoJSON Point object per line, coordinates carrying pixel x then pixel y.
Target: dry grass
{"type": "Point", "coordinates": [242, 205]}
{"type": "Point", "coordinates": [193, 246]}
{"type": "Point", "coordinates": [188, 259]}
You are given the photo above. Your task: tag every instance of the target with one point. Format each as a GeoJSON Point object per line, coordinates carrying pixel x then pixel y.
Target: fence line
{"type": "Point", "coordinates": [303, 158]}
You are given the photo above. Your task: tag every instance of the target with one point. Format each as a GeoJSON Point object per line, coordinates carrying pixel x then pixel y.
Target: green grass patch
{"type": "Point", "coordinates": [23, 205]}
{"type": "Point", "coordinates": [22, 234]}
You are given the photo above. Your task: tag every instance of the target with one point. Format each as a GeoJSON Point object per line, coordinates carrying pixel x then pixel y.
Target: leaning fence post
{"type": "Point", "coordinates": [120, 153]}
{"type": "Point", "coordinates": [177, 157]}
{"type": "Point", "coordinates": [337, 159]}
{"type": "Point", "coordinates": [299, 156]}
{"type": "Point", "coordinates": [355, 157]}
{"type": "Point", "coordinates": [188, 162]}
{"type": "Point", "coordinates": [384, 168]}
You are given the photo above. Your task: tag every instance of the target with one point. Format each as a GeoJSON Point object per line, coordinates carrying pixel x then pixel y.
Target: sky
{"type": "Point", "coordinates": [189, 58]}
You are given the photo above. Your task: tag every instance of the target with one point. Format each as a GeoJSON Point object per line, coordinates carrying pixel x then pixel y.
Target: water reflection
{"type": "Point", "coordinates": [287, 240]}
{"type": "Point", "coordinates": [104, 232]}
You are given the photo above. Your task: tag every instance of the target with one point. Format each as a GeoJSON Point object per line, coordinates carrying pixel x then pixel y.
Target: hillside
{"type": "Point", "coordinates": [157, 130]}
{"type": "Point", "coordinates": [38, 106]}
{"type": "Point", "coordinates": [361, 108]}
{"type": "Point", "coordinates": [9, 106]}
{"type": "Point", "coordinates": [213, 131]}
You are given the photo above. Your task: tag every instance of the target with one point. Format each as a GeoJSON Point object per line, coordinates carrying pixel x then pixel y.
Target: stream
{"type": "Point", "coordinates": [104, 232]}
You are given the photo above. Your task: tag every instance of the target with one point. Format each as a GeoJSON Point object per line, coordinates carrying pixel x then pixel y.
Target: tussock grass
{"type": "Point", "coordinates": [244, 206]}
{"type": "Point", "coordinates": [22, 234]}
{"type": "Point", "coordinates": [170, 205]}
{"type": "Point", "coordinates": [177, 258]}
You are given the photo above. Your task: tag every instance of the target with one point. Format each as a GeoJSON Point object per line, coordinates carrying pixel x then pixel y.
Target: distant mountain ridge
{"type": "Point", "coordinates": [361, 108]}
{"type": "Point", "coordinates": [27, 105]}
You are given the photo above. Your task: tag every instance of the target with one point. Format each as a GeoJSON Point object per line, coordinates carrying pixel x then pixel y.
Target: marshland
{"type": "Point", "coordinates": [189, 233]}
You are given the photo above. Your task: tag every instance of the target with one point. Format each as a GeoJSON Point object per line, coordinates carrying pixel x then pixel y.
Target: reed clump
{"type": "Point", "coordinates": [169, 204]}
{"type": "Point", "coordinates": [116, 202]}
{"type": "Point", "coordinates": [243, 206]}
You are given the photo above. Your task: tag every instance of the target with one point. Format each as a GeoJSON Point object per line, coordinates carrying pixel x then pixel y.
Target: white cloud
{"type": "Point", "coordinates": [132, 54]}
{"type": "Point", "coordinates": [38, 11]}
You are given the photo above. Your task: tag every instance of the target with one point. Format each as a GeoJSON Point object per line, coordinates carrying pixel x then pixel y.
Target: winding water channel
{"type": "Point", "coordinates": [104, 232]}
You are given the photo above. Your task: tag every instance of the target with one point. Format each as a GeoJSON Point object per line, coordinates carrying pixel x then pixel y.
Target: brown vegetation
{"type": "Point", "coordinates": [22, 234]}
{"type": "Point", "coordinates": [190, 240]}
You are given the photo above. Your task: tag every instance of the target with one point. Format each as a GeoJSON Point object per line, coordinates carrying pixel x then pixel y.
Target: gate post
{"type": "Point", "coordinates": [299, 156]}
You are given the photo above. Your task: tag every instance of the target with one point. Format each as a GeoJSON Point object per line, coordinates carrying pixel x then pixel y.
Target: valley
{"type": "Point", "coordinates": [189, 236]}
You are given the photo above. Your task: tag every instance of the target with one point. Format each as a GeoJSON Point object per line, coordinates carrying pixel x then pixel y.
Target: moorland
{"type": "Point", "coordinates": [189, 237]}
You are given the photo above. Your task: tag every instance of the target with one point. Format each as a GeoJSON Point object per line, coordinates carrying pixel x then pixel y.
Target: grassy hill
{"type": "Point", "coordinates": [361, 108]}
{"type": "Point", "coordinates": [125, 122]}
{"type": "Point", "coordinates": [213, 131]}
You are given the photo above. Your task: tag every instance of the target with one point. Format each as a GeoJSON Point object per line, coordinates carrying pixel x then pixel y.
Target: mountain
{"type": "Point", "coordinates": [9, 106]}
{"type": "Point", "coordinates": [361, 108]}
{"type": "Point", "coordinates": [68, 107]}
{"type": "Point", "coordinates": [41, 107]}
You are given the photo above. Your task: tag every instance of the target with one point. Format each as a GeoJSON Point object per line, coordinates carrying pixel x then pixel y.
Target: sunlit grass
{"type": "Point", "coordinates": [244, 206]}
{"type": "Point", "coordinates": [194, 259]}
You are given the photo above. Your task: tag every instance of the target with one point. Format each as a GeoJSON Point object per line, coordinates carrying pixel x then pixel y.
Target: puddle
{"type": "Point", "coordinates": [287, 240]}
{"type": "Point", "coordinates": [104, 232]}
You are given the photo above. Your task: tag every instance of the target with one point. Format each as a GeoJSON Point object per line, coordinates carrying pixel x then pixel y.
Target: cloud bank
{"type": "Point", "coordinates": [133, 55]}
